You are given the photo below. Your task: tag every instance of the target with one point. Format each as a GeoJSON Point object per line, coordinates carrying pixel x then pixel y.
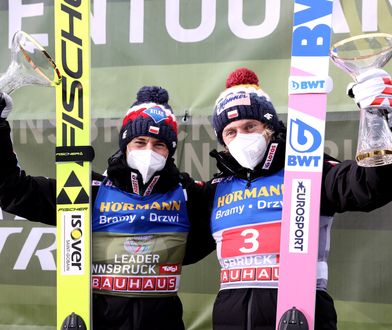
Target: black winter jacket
{"type": "Point", "coordinates": [345, 187]}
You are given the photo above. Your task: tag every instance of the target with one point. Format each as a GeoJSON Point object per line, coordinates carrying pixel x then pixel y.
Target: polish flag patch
{"type": "Point", "coordinates": [153, 129]}
{"type": "Point", "coordinates": [232, 114]}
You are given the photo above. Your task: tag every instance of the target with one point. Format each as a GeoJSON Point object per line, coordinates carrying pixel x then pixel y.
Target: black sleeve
{"type": "Point", "coordinates": [349, 187]}
{"type": "Point", "coordinates": [30, 197]}
{"type": "Point", "coordinates": [33, 198]}
{"type": "Point", "coordinates": [200, 242]}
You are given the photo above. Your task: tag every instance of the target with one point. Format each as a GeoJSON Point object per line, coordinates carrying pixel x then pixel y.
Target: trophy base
{"type": "Point", "coordinates": [374, 158]}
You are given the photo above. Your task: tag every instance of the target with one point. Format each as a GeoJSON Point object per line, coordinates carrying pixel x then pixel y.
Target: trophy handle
{"type": "Point", "coordinates": [30, 64]}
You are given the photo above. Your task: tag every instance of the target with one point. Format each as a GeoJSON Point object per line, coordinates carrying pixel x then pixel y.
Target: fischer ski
{"type": "Point", "coordinates": [73, 165]}
{"type": "Point", "coordinates": [308, 87]}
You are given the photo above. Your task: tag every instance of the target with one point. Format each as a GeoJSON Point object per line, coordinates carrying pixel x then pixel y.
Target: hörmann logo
{"type": "Point", "coordinates": [73, 243]}
{"type": "Point", "coordinates": [72, 92]}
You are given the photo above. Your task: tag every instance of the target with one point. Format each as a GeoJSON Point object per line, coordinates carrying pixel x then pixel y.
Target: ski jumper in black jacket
{"type": "Point", "coordinates": [136, 264]}
{"type": "Point", "coordinates": [246, 211]}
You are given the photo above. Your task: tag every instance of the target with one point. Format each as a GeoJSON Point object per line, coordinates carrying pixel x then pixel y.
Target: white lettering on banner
{"type": "Point", "coordinates": [202, 32]}
{"type": "Point", "coordinates": [46, 255]}
{"type": "Point", "coordinates": [243, 31]}
{"type": "Point", "coordinates": [17, 11]}
{"type": "Point", "coordinates": [98, 22]}
{"type": "Point", "coordinates": [136, 21]}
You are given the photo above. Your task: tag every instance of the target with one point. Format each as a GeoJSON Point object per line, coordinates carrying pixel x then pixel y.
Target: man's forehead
{"type": "Point", "coordinates": [146, 138]}
{"type": "Point", "coordinates": [243, 122]}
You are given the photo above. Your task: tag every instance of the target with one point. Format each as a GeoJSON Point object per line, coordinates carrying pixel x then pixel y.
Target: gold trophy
{"type": "Point", "coordinates": [356, 55]}
{"type": "Point", "coordinates": [30, 65]}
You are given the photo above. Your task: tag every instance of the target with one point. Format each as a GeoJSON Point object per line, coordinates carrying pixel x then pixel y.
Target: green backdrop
{"type": "Point", "coordinates": [188, 47]}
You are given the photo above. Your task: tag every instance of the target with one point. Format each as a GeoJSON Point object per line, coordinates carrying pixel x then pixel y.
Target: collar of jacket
{"type": "Point", "coordinates": [229, 166]}
{"type": "Point", "coordinates": [120, 174]}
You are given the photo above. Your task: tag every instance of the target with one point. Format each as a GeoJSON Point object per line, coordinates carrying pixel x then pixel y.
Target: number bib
{"type": "Point", "coordinates": [246, 226]}
{"type": "Point", "coordinates": [138, 242]}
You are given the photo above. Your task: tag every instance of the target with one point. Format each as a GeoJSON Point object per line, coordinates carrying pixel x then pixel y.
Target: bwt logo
{"type": "Point", "coordinates": [303, 139]}
{"type": "Point", "coordinates": [308, 84]}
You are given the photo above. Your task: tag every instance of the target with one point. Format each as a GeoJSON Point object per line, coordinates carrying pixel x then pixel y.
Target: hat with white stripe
{"type": "Point", "coordinates": [243, 99]}
{"type": "Point", "coordinates": [150, 115]}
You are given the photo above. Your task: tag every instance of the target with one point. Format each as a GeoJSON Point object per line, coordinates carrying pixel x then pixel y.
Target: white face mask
{"type": "Point", "coordinates": [147, 162]}
{"type": "Point", "coordinates": [248, 149]}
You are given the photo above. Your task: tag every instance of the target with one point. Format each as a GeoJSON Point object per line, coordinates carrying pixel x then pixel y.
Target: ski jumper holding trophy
{"type": "Point", "coordinates": [145, 221]}
{"type": "Point", "coordinates": [245, 202]}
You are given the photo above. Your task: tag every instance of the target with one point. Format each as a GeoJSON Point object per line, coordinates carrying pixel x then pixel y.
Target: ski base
{"type": "Point", "coordinates": [74, 321]}
{"type": "Point", "coordinates": [293, 319]}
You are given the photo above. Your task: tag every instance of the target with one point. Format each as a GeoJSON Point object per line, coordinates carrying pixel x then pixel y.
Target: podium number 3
{"type": "Point", "coordinates": [251, 236]}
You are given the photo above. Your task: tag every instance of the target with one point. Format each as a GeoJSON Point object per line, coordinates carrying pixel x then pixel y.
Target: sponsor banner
{"type": "Point", "coordinates": [28, 249]}
{"type": "Point", "coordinates": [253, 33]}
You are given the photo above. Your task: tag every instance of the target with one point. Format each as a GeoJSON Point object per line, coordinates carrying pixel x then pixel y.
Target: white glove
{"type": "Point", "coordinates": [373, 89]}
{"type": "Point", "coordinates": [6, 105]}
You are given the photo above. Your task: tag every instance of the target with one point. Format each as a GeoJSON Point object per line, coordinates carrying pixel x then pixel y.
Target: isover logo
{"type": "Point", "coordinates": [73, 260]}
{"type": "Point", "coordinates": [305, 144]}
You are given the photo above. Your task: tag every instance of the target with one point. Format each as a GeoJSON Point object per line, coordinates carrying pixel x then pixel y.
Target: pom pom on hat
{"type": "Point", "coordinates": [243, 99]}
{"type": "Point", "coordinates": [242, 76]}
{"type": "Point", "coordinates": [150, 115]}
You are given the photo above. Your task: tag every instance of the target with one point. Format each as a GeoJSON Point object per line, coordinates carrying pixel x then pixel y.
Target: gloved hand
{"type": "Point", "coordinates": [6, 105]}
{"type": "Point", "coordinates": [372, 89]}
